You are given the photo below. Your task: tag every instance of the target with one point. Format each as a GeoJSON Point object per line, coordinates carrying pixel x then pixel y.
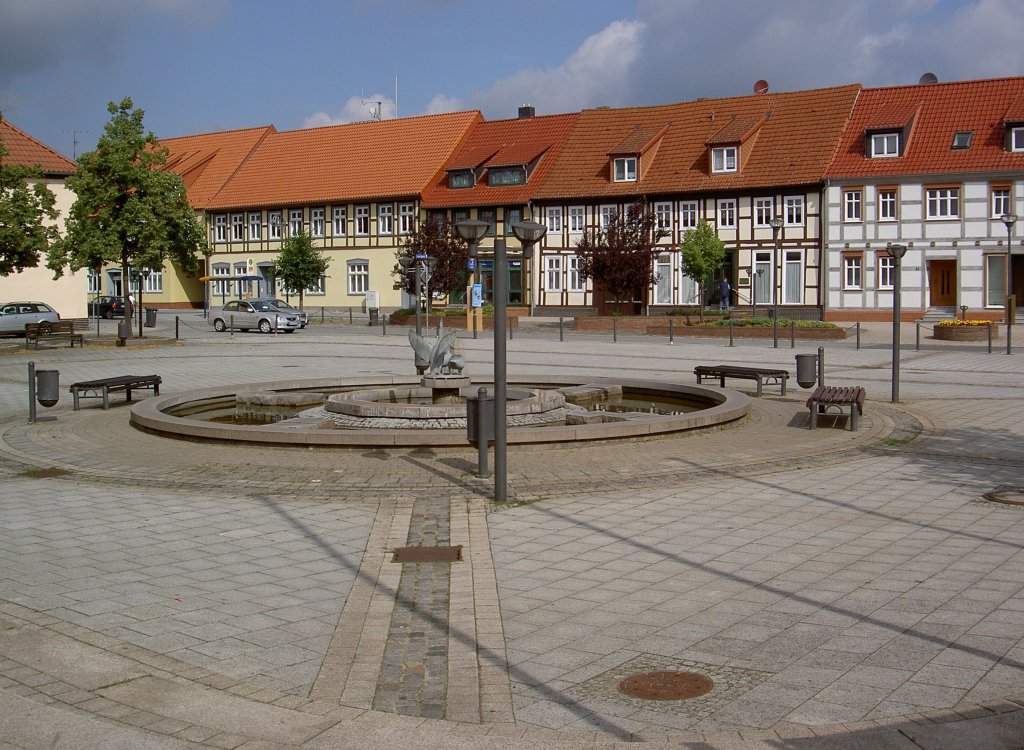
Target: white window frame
{"type": "Point", "coordinates": [316, 222]}
{"type": "Point", "coordinates": [607, 212]}
{"type": "Point", "coordinates": [663, 282]}
{"type": "Point", "coordinates": [406, 218]}
{"type": "Point", "coordinates": [385, 219]}
{"type": "Point", "coordinates": [294, 222]}
{"type": "Point", "coordinates": [553, 218]}
{"type": "Point", "coordinates": [726, 212]}
{"type": "Point", "coordinates": [255, 226]}
{"type": "Point", "coordinates": [724, 159]}
{"type": "Point", "coordinates": [339, 221]}
{"type": "Point", "coordinates": [1017, 139]}
{"type": "Point", "coordinates": [576, 281]}
{"type": "Point", "coordinates": [94, 281]}
{"type": "Point", "coordinates": [762, 212]}
{"type": "Point", "coordinates": [688, 214]}
{"type": "Point", "coordinates": [553, 273]}
{"type": "Point", "coordinates": [793, 259]}
{"type": "Point", "coordinates": [887, 204]}
{"type": "Point", "coordinates": [624, 169]}
{"type": "Point", "coordinates": [995, 293]}
{"type": "Point", "coordinates": [237, 227]}
{"type": "Point", "coordinates": [853, 206]}
{"type": "Point", "coordinates": [220, 228]}
{"type": "Point", "coordinates": [886, 272]}
{"type": "Point", "coordinates": [220, 287]}
{"type": "Point", "coordinates": [577, 218]}
{"type": "Point", "coordinates": [317, 289]}
{"type": "Point", "coordinates": [357, 271]}
{"type": "Point", "coordinates": [885, 145]}
{"type": "Point", "coordinates": [853, 272]}
{"type": "Point", "coordinates": [663, 216]}
{"type": "Point", "coordinates": [362, 221]}
{"type": "Point", "coordinates": [1002, 202]}
{"type": "Point", "coordinates": [154, 282]}
{"type": "Point", "coordinates": [274, 219]}
{"type": "Point", "coordinates": [794, 205]}
{"type": "Point", "coordinates": [942, 203]}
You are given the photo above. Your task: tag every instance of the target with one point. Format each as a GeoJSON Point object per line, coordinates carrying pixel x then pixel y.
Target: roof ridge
{"type": "Point", "coordinates": [219, 132]}
{"type": "Point", "coordinates": [712, 99]}
{"type": "Point", "coordinates": [39, 143]}
{"type": "Point", "coordinates": [242, 162]}
{"type": "Point", "coordinates": [944, 84]}
{"type": "Point", "coordinates": [380, 122]}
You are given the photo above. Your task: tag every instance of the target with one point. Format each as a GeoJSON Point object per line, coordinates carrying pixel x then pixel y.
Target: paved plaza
{"type": "Point", "coordinates": [840, 589]}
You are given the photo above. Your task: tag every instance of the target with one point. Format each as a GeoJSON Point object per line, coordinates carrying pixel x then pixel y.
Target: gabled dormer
{"type": "Point", "coordinates": [513, 163]}
{"type": "Point", "coordinates": [730, 146]}
{"type": "Point", "coordinates": [1013, 123]}
{"type": "Point", "coordinates": [466, 172]}
{"type": "Point", "coordinates": [888, 134]}
{"type": "Point", "coordinates": [631, 157]}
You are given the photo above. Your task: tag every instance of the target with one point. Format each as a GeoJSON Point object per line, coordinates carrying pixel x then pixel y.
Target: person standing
{"type": "Point", "coordinates": [724, 292]}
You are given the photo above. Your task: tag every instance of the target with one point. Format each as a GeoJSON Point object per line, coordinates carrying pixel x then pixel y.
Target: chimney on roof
{"type": "Point", "coordinates": [526, 111]}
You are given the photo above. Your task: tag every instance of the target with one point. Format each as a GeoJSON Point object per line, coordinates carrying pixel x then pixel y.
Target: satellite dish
{"type": "Point", "coordinates": [929, 78]}
{"type": "Point", "coordinates": [761, 87]}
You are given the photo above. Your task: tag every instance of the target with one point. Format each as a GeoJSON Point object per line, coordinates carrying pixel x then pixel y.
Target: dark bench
{"type": "Point", "coordinates": [103, 387]}
{"type": "Point", "coordinates": [760, 374]}
{"type": "Point", "coordinates": [60, 329]}
{"type": "Point", "coordinates": [825, 397]}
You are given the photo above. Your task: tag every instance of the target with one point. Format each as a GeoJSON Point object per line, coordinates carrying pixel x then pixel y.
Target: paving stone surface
{"type": "Point", "coordinates": [841, 588]}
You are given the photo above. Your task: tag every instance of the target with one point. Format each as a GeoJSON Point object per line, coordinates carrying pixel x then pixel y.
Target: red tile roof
{"type": "Point", "coordinates": [510, 142]}
{"type": "Point", "coordinates": [359, 161]}
{"type": "Point", "coordinates": [942, 110]}
{"type": "Point", "coordinates": [24, 150]}
{"type": "Point", "coordinates": [1015, 112]}
{"type": "Point", "coordinates": [638, 141]}
{"type": "Point", "coordinates": [206, 162]}
{"type": "Point", "coordinates": [793, 146]}
{"type": "Point", "coordinates": [738, 130]}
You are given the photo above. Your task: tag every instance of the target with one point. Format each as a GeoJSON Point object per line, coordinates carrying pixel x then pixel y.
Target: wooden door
{"type": "Point", "coordinates": [942, 283]}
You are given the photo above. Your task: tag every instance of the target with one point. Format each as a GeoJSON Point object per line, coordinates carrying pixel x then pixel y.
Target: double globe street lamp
{"type": "Point", "coordinates": [528, 233]}
{"type": "Point", "coordinates": [423, 267]}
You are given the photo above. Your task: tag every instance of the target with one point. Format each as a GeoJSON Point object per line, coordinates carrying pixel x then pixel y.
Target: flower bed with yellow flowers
{"type": "Point", "coordinates": [964, 330]}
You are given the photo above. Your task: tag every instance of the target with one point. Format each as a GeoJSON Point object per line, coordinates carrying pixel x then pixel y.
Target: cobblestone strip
{"type": "Point", "coordinates": [463, 660]}
{"type": "Point", "coordinates": [350, 668]}
{"type": "Point", "coordinates": [413, 678]}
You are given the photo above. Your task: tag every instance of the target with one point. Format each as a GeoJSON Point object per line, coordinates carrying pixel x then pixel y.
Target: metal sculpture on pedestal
{"type": "Point", "coordinates": [431, 357]}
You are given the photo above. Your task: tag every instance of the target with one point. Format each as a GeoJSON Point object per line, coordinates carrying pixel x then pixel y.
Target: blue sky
{"type": "Point", "coordinates": [203, 65]}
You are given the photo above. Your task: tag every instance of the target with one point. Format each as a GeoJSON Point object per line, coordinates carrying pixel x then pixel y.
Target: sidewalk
{"type": "Point", "coordinates": [840, 589]}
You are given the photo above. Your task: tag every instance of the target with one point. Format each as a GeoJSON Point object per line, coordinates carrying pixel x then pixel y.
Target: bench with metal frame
{"type": "Point", "coordinates": [825, 397]}
{"type": "Point", "coordinates": [760, 374]}
{"type": "Point", "coordinates": [46, 330]}
{"type": "Point", "coordinates": [103, 387]}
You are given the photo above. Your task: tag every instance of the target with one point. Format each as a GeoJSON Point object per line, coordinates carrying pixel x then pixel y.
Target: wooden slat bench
{"type": "Point", "coordinates": [102, 387]}
{"type": "Point", "coordinates": [825, 397]}
{"type": "Point", "coordinates": [761, 374]}
{"type": "Point", "coordinates": [60, 329]}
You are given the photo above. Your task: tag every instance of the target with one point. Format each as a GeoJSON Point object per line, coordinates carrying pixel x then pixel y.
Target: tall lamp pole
{"type": "Point", "coordinates": [776, 225]}
{"type": "Point", "coordinates": [528, 233]}
{"type": "Point", "coordinates": [898, 251]}
{"type": "Point", "coordinates": [1011, 299]}
{"type": "Point", "coordinates": [472, 232]}
{"type": "Point", "coordinates": [422, 268]}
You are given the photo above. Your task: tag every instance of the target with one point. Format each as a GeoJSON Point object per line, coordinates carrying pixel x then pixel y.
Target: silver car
{"type": "Point", "coordinates": [14, 316]}
{"type": "Point", "coordinates": [280, 304]}
{"type": "Point", "coordinates": [260, 314]}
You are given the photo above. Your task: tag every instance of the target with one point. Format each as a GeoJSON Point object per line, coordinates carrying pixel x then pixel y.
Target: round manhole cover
{"type": "Point", "coordinates": [1007, 495]}
{"type": "Point", "coordinates": [666, 686]}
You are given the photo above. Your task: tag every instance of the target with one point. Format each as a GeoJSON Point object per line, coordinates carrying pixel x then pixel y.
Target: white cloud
{"type": "Point", "coordinates": [355, 109]}
{"type": "Point", "coordinates": [441, 104]}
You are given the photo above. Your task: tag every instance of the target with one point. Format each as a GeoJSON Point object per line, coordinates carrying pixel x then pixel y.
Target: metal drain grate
{"type": "Point", "coordinates": [666, 686]}
{"type": "Point", "coordinates": [428, 554]}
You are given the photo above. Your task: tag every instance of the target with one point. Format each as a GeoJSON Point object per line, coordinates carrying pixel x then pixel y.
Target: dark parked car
{"type": "Point", "coordinates": [14, 316]}
{"type": "Point", "coordinates": [106, 307]}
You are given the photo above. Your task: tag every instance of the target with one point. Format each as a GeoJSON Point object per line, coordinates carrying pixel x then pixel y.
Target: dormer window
{"type": "Point", "coordinates": [1015, 140]}
{"type": "Point", "coordinates": [506, 176]}
{"type": "Point", "coordinates": [625, 169]}
{"type": "Point", "coordinates": [464, 178]}
{"type": "Point", "coordinates": [723, 159]}
{"type": "Point", "coordinates": [885, 145]}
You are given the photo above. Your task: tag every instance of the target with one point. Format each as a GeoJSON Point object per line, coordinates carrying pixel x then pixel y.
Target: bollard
{"type": "Point", "coordinates": [510, 327]}
{"type": "Point", "coordinates": [792, 334]}
{"type": "Point", "coordinates": [561, 330]}
{"type": "Point", "coordinates": [384, 327]}
{"type": "Point", "coordinates": [321, 313]}
{"type": "Point", "coordinates": [775, 331]}
{"type": "Point", "coordinates": [231, 325]}
{"type": "Point", "coordinates": [670, 339]}
{"type": "Point", "coordinates": [858, 335]}
{"type": "Point", "coordinates": [990, 339]}
{"type": "Point", "coordinates": [1009, 337]}
{"type": "Point", "coordinates": [731, 343]}
{"type": "Point", "coordinates": [474, 330]}
{"type": "Point", "coordinates": [615, 330]}
{"type": "Point", "coordinates": [177, 327]}
{"type": "Point", "coordinates": [917, 337]}
{"type": "Point", "coordinates": [821, 366]}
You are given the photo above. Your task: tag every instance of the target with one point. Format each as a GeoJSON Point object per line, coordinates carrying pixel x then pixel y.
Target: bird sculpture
{"type": "Point", "coordinates": [433, 357]}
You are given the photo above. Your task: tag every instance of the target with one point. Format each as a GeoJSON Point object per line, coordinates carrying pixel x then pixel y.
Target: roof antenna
{"type": "Point", "coordinates": [74, 142]}
{"type": "Point", "coordinates": [374, 109]}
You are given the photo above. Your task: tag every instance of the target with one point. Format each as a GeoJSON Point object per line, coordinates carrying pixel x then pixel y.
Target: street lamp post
{"type": "Point", "coordinates": [756, 276]}
{"type": "Point", "coordinates": [142, 275]}
{"type": "Point", "coordinates": [422, 267]}
{"type": "Point", "coordinates": [1011, 299]}
{"type": "Point", "coordinates": [528, 233]}
{"type": "Point", "coordinates": [472, 232]}
{"type": "Point", "coordinates": [898, 251]}
{"type": "Point", "coordinates": [776, 225]}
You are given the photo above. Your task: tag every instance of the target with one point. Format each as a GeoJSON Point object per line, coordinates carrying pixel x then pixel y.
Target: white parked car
{"type": "Point", "coordinates": [14, 316]}
{"type": "Point", "coordinates": [280, 304]}
{"type": "Point", "coordinates": [244, 315]}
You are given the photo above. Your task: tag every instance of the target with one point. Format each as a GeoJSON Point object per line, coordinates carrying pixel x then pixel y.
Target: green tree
{"type": "Point", "coordinates": [25, 206]}
{"type": "Point", "coordinates": [438, 239]}
{"type": "Point", "coordinates": [703, 254]}
{"type": "Point", "coordinates": [620, 258]}
{"type": "Point", "coordinates": [129, 210]}
{"type": "Point", "coordinates": [300, 265]}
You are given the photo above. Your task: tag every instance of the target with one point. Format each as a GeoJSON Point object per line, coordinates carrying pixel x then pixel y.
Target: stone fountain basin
{"type": "Point", "coordinates": [390, 402]}
{"type": "Point", "coordinates": [153, 415]}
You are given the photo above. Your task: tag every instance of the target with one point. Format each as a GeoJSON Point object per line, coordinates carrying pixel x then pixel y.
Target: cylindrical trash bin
{"type": "Point", "coordinates": [47, 387]}
{"type": "Point", "coordinates": [150, 317]}
{"type": "Point", "coordinates": [806, 370]}
{"type": "Point", "coordinates": [374, 316]}
{"type": "Point", "coordinates": [124, 329]}
{"type": "Point", "coordinates": [480, 417]}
